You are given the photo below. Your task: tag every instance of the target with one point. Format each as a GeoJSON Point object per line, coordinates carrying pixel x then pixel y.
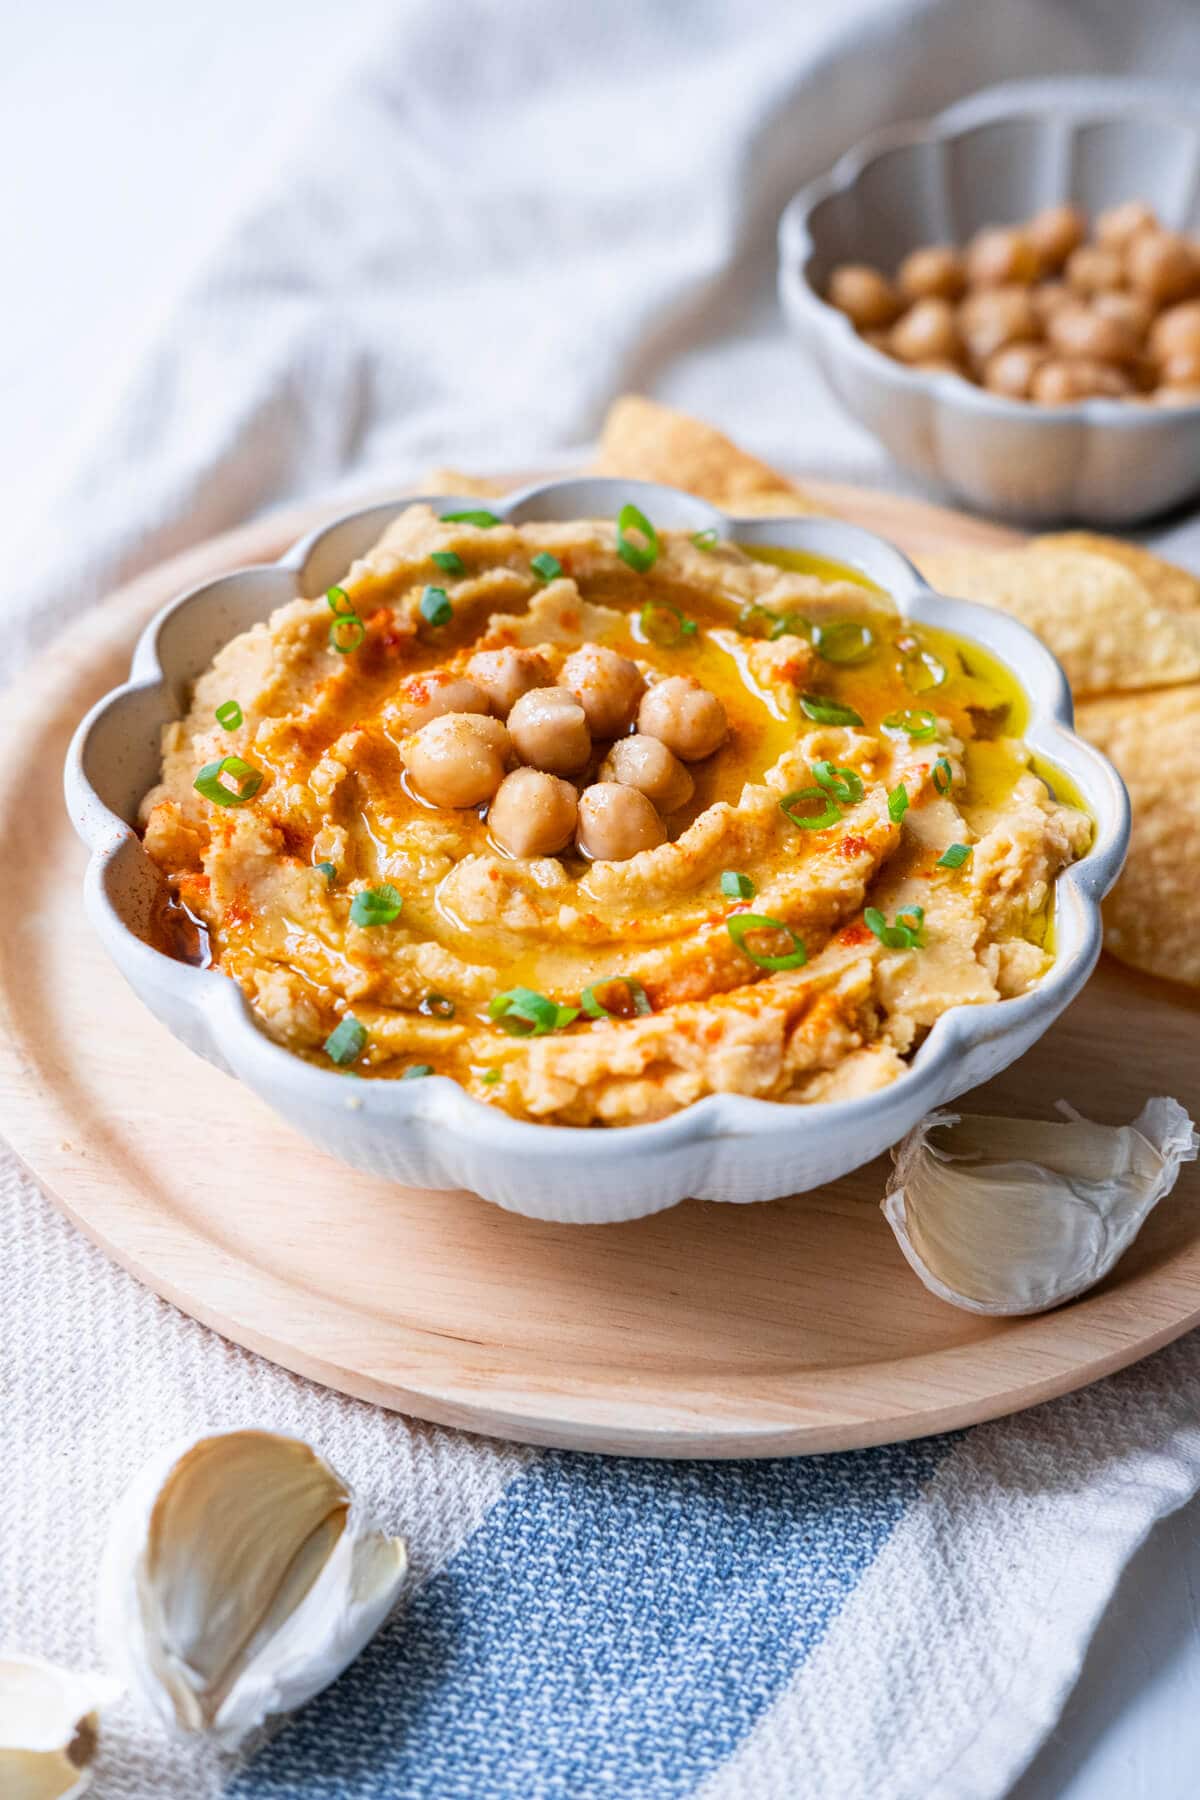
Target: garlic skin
{"type": "Point", "coordinates": [49, 1728]}
{"type": "Point", "coordinates": [239, 1579]}
{"type": "Point", "coordinates": [1011, 1216]}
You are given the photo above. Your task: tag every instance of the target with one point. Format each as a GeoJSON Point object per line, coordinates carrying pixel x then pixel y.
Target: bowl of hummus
{"type": "Point", "coordinates": [592, 848]}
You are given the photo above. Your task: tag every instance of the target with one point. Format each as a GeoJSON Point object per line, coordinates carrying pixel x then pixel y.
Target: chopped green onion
{"type": "Point", "coordinates": [755, 620]}
{"type": "Point", "coordinates": [437, 1006]}
{"type": "Point", "coordinates": [639, 999]}
{"type": "Point", "coordinates": [845, 641]}
{"type": "Point", "coordinates": [943, 775]}
{"type": "Point", "coordinates": [828, 712]}
{"type": "Point", "coordinates": [917, 725]}
{"type": "Point", "coordinates": [663, 624]}
{"type": "Point", "coordinates": [229, 714]}
{"type": "Point", "coordinates": [639, 556]}
{"type": "Point", "coordinates": [473, 516]}
{"type": "Point", "coordinates": [376, 906]}
{"type": "Point", "coordinates": [347, 1042]}
{"type": "Point", "coordinates": [449, 561]}
{"type": "Point", "coordinates": [209, 783]}
{"type": "Point", "coordinates": [897, 803]}
{"type": "Point", "coordinates": [706, 540]}
{"type": "Point", "coordinates": [742, 924]}
{"type": "Point", "coordinates": [490, 1076]}
{"type": "Point", "coordinates": [737, 887]}
{"type": "Point", "coordinates": [545, 566]}
{"type": "Point", "coordinates": [417, 1071]}
{"type": "Point", "coordinates": [898, 936]}
{"type": "Point", "coordinates": [436, 607]}
{"type": "Point", "coordinates": [346, 633]}
{"type": "Point", "coordinates": [791, 624]}
{"type": "Point", "coordinates": [522, 1012]}
{"type": "Point", "coordinates": [327, 870]}
{"type": "Point", "coordinates": [830, 812]}
{"type": "Point", "coordinates": [954, 856]}
{"type": "Point", "coordinates": [844, 784]}
{"type": "Point", "coordinates": [339, 602]}
{"type": "Point", "coordinates": [922, 671]}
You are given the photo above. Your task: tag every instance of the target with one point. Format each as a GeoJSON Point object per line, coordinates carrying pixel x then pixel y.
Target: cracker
{"type": "Point", "coordinates": [1172, 588]}
{"type": "Point", "coordinates": [1150, 918]}
{"type": "Point", "coordinates": [644, 441]}
{"type": "Point", "coordinates": [1093, 612]}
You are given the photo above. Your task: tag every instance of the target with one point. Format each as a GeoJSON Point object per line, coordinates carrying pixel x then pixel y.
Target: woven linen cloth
{"type": "Point", "coordinates": [508, 216]}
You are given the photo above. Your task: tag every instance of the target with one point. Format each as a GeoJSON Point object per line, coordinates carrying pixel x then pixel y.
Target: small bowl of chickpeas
{"type": "Point", "coordinates": [1012, 315]}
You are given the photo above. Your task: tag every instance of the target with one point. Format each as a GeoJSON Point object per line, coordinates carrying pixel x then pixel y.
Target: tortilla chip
{"type": "Point", "coordinates": [1172, 588]}
{"type": "Point", "coordinates": [1154, 740]}
{"type": "Point", "coordinates": [1096, 615]}
{"type": "Point", "coordinates": [644, 441]}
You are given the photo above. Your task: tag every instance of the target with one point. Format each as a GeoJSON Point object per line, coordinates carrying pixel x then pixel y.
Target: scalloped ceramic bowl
{"type": "Point", "coordinates": [1107, 462]}
{"type": "Point", "coordinates": [431, 1133]}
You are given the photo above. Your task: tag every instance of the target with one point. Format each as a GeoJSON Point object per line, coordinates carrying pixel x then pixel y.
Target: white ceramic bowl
{"type": "Point", "coordinates": [1106, 462]}
{"type": "Point", "coordinates": [431, 1133]}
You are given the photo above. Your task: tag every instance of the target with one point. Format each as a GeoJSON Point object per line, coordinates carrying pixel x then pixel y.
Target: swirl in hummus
{"type": "Point", "coordinates": [509, 804]}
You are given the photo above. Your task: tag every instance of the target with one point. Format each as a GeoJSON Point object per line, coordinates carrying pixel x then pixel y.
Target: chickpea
{"type": "Point", "coordinates": [457, 759]}
{"type": "Point", "coordinates": [1133, 310]}
{"type": "Point", "coordinates": [927, 330]}
{"type": "Point", "coordinates": [864, 295]}
{"type": "Point", "coordinates": [1055, 231]}
{"type": "Point", "coordinates": [934, 272]}
{"type": "Point", "coordinates": [1182, 370]}
{"type": "Point", "coordinates": [1117, 226]}
{"type": "Point", "coordinates": [549, 731]}
{"type": "Point", "coordinates": [504, 675]}
{"type": "Point", "coordinates": [684, 716]}
{"type": "Point", "coordinates": [1176, 331]}
{"type": "Point", "coordinates": [998, 316]}
{"type": "Point", "coordinates": [1001, 255]}
{"type": "Point", "coordinates": [533, 814]}
{"type": "Point", "coordinates": [1176, 396]}
{"type": "Point", "coordinates": [1091, 269]}
{"type": "Point", "coordinates": [1011, 370]}
{"type": "Point", "coordinates": [1062, 382]}
{"type": "Point", "coordinates": [1164, 267]}
{"type": "Point", "coordinates": [1079, 331]}
{"type": "Point", "coordinates": [645, 763]}
{"type": "Point", "coordinates": [878, 340]}
{"type": "Point", "coordinates": [1049, 297]}
{"type": "Point", "coordinates": [616, 822]}
{"type": "Point", "coordinates": [607, 686]}
{"type": "Point", "coordinates": [425, 697]}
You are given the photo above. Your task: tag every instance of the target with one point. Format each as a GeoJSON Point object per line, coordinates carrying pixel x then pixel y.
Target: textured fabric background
{"type": "Point", "coordinates": [510, 214]}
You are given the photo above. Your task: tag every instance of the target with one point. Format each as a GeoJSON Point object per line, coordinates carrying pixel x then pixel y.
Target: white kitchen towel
{"type": "Point", "coordinates": [510, 214]}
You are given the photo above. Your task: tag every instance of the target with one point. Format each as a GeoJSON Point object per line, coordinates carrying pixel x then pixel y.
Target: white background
{"type": "Point", "coordinates": [130, 133]}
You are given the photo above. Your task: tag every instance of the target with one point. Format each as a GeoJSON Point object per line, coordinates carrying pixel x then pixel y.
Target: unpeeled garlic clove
{"type": "Point", "coordinates": [49, 1728]}
{"type": "Point", "coordinates": [1017, 1215]}
{"type": "Point", "coordinates": [239, 1579]}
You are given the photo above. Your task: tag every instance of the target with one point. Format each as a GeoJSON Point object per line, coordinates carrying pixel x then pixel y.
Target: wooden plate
{"type": "Point", "coordinates": [709, 1330]}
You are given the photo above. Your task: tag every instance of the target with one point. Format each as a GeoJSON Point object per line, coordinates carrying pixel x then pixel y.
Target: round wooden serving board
{"type": "Point", "coordinates": [709, 1330]}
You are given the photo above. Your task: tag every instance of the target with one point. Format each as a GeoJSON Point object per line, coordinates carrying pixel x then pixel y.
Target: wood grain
{"type": "Point", "coordinates": [709, 1330]}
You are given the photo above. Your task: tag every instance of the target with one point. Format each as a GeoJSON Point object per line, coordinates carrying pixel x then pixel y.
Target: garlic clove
{"type": "Point", "coordinates": [1007, 1216]}
{"type": "Point", "coordinates": [240, 1578]}
{"type": "Point", "coordinates": [49, 1728]}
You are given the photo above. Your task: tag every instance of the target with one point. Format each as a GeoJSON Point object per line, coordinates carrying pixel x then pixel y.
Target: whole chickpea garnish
{"type": "Point", "coordinates": [549, 731]}
{"type": "Point", "coordinates": [934, 272]}
{"type": "Point", "coordinates": [684, 716]}
{"type": "Point", "coordinates": [1011, 370]}
{"type": "Point", "coordinates": [1000, 255]}
{"type": "Point", "coordinates": [617, 822]}
{"type": "Point", "coordinates": [1176, 396]}
{"type": "Point", "coordinates": [1061, 383]}
{"type": "Point", "coordinates": [533, 813]}
{"type": "Point", "coordinates": [1164, 266]}
{"type": "Point", "coordinates": [1182, 370]}
{"type": "Point", "coordinates": [457, 759]}
{"type": "Point", "coordinates": [866, 297]}
{"type": "Point", "coordinates": [1176, 331]}
{"type": "Point", "coordinates": [995, 317]}
{"type": "Point", "coordinates": [645, 763]}
{"type": "Point", "coordinates": [1055, 231]}
{"type": "Point", "coordinates": [1117, 226]}
{"type": "Point", "coordinates": [425, 697]}
{"type": "Point", "coordinates": [1081, 331]}
{"type": "Point", "coordinates": [928, 330]}
{"type": "Point", "coordinates": [504, 675]}
{"type": "Point", "coordinates": [1092, 269]}
{"type": "Point", "coordinates": [1133, 310]}
{"type": "Point", "coordinates": [607, 686]}
{"type": "Point", "coordinates": [1049, 297]}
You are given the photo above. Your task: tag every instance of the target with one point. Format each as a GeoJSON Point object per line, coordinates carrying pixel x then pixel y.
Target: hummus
{"type": "Point", "coordinates": [770, 877]}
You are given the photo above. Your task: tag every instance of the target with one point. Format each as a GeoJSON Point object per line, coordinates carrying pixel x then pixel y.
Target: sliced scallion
{"type": "Point", "coordinates": [641, 556]}
{"type": "Point", "coordinates": [477, 515]}
{"type": "Point", "coordinates": [437, 1006]}
{"type": "Point", "coordinates": [844, 641]}
{"type": "Point", "coordinates": [826, 711]}
{"type": "Point", "coordinates": [435, 606]}
{"type": "Point", "coordinates": [545, 566]}
{"type": "Point", "coordinates": [943, 775]}
{"type": "Point", "coordinates": [417, 1072]}
{"type": "Point", "coordinates": [327, 870]}
{"type": "Point", "coordinates": [637, 1003]}
{"type": "Point", "coordinates": [736, 886]}
{"type": "Point", "coordinates": [229, 715]}
{"type": "Point", "coordinates": [741, 925]}
{"type": "Point", "coordinates": [346, 1043]}
{"type": "Point", "coordinates": [954, 856]}
{"type": "Point", "coordinates": [897, 803]}
{"type": "Point", "coordinates": [919, 726]}
{"type": "Point", "coordinates": [339, 602]}
{"type": "Point", "coordinates": [523, 1012]}
{"type": "Point", "coordinates": [706, 540]}
{"type": "Point", "coordinates": [844, 784]}
{"type": "Point", "coordinates": [247, 781]}
{"type": "Point", "coordinates": [376, 906]}
{"type": "Point", "coordinates": [900, 936]}
{"type": "Point", "coordinates": [793, 805]}
{"type": "Point", "coordinates": [449, 561]}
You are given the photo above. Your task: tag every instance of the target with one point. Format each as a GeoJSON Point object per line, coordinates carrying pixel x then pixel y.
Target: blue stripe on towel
{"type": "Point", "coordinates": [612, 1627]}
